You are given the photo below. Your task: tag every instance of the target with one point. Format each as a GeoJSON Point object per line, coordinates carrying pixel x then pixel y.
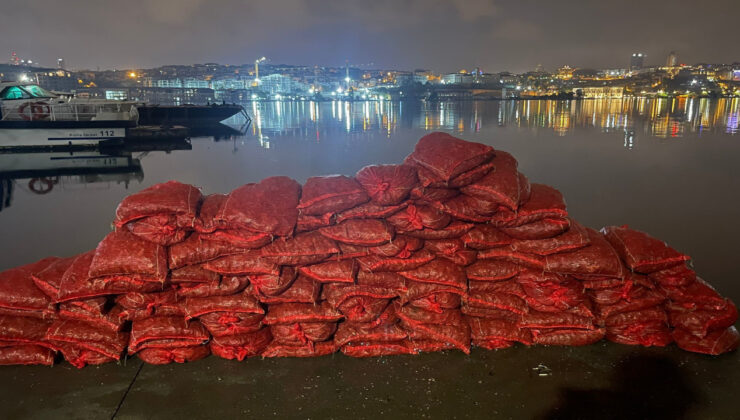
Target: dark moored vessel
{"type": "Point", "coordinates": [187, 115]}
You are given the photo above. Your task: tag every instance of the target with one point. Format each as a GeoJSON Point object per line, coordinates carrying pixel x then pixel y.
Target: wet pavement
{"type": "Point", "coordinates": [600, 381]}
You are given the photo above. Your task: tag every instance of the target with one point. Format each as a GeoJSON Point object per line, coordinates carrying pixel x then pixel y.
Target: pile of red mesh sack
{"type": "Point", "coordinates": [452, 249]}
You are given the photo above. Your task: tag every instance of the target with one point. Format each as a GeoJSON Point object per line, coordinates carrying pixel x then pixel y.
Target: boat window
{"type": "Point", "coordinates": [14, 92]}
{"type": "Point", "coordinates": [37, 91]}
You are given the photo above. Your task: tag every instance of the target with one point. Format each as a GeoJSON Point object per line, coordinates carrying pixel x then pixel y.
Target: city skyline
{"type": "Point", "coordinates": [443, 36]}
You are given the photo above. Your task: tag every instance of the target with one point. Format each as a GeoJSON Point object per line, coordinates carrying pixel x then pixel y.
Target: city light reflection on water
{"type": "Point", "coordinates": [661, 117]}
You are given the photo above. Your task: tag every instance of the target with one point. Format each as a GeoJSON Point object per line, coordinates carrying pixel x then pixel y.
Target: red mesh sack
{"type": "Point", "coordinates": [80, 357]}
{"type": "Point", "coordinates": [457, 335]}
{"type": "Point", "coordinates": [139, 305]}
{"type": "Point", "coordinates": [598, 259]}
{"type": "Point", "coordinates": [221, 324]}
{"type": "Point", "coordinates": [402, 246]}
{"type": "Point", "coordinates": [547, 320]}
{"type": "Point", "coordinates": [377, 348]}
{"type": "Point", "coordinates": [361, 308]}
{"type": "Point", "coordinates": [454, 230]}
{"type": "Point", "coordinates": [640, 251]}
{"type": "Point", "coordinates": [123, 255]}
{"type": "Point", "coordinates": [268, 206]}
{"type": "Point", "coordinates": [500, 185]}
{"type": "Point", "coordinates": [336, 294]}
{"type": "Point", "coordinates": [596, 283]}
{"type": "Point", "coordinates": [697, 294]}
{"type": "Point", "coordinates": [356, 332]}
{"type": "Point", "coordinates": [647, 334]}
{"type": "Point", "coordinates": [447, 156]}
{"type": "Point", "coordinates": [547, 292]}
{"type": "Point", "coordinates": [166, 332]}
{"type": "Point", "coordinates": [677, 276]}
{"type": "Point", "coordinates": [419, 217]}
{"type": "Point", "coordinates": [24, 330]}
{"type": "Point", "coordinates": [18, 291]}
{"type": "Point", "coordinates": [343, 271]}
{"type": "Point", "coordinates": [567, 337]}
{"type": "Point", "coordinates": [288, 313]}
{"type": "Point", "coordinates": [305, 248]}
{"type": "Point", "coordinates": [50, 278]}
{"type": "Point", "coordinates": [242, 302]}
{"type": "Point", "coordinates": [497, 333]}
{"type": "Point", "coordinates": [369, 232]}
{"type": "Point", "coordinates": [330, 194]}
{"type": "Point", "coordinates": [301, 333]}
{"type": "Point", "coordinates": [162, 213]}
{"type": "Point", "coordinates": [430, 195]}
{"type": "Point", "coordinates": [309, 350]}
{"type": "Point", "coordinates": [431, 296]}
{"type": "Point", "coordinates": [347, 251]}
{"type": "Point", "coordinates": [485, 237]}
{"type": "Point", "coordinates": [635, 299]}
{"type": "Point", "coordinates": [508, 254]}
{"type": "Point", "coordinates": [272, 285]}
{"type": "Point", "coordinates": [439, 272]}
{"type": "Point", "coordinates": [525, 189]}
{"type": "Point", "coordinates": [387, 184]}
{"type": "Point", "coordinates": [207, 220]}
{"type": "Point", "coordinates": [302, 290]}
{"type": "Point", "coordinates": [246, 263]}
{"type": "Point", "coordinates": [384, 280]}
{"type": "Point", "coordinates": [492, 270]}
{"type": "Point", "coordinates": [165, 356]}
{"type": "Point", "coordinates": [715, 343]}
{"type": "Point", "coordinates": [196, 250]}
{"type": "Point", "coordinates": [307, 223]}
{"type": "Point", "coordinates": [541, 229]}
{"type": "Point", "coordinates": [76, 283]}
{"type": "Point", "coordinates": [239, 347]}
{"type": "Point", "coordinates": [370, 211]}
{"type": "Point", "coordinates": [171, 197]}
{"type": "Point", "coordinates": [160, 229]}
{"type": "Point", "coordinates": [25, 354]}
{"type": "Point", "coordinates": [510, 286]}
{"type": "Point", "coordinates": [654, 314]}
{"type": "Point", "coordinates": [412, 314]}
{"type": "Point", "coordinates": [428, 178]}
{"type": "Point", "coordinates": [467, 208]}
{"type": "Point", "coordinates": [104, 341]}
{"type": "Point", "coordinates": [193, 274]}
{"type": "Point", "coordinates": [700, 321]}
{"type": "Point", "coordinates": [501, 301]}
{"type": "Point", "coordinates": [575, 238]}
{"type": "Point", "coordinates": [375, 263]}
{"type": "Point", "coordinates": [223, 286]}
{"type": "Point", "coordinates": [241, 238]}
{"type": "Point", "coordinates": [93, 311]}
{"type": "Point", "coordinates": [544, 202]}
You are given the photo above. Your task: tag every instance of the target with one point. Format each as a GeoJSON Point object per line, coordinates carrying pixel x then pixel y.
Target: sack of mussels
{"type": "Point", "coordinates": [453, 248]}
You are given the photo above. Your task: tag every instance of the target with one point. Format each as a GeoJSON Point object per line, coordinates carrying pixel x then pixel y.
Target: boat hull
{"type": "Point", "coordinates": [13, 138]}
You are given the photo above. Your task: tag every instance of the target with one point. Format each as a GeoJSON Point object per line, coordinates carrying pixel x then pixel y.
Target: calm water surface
{"type": "Point", "coordinates": [669, 167]}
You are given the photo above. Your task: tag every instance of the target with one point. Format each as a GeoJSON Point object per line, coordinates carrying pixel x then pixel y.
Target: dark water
{"type": "Point", "coordinates": [668, 167]}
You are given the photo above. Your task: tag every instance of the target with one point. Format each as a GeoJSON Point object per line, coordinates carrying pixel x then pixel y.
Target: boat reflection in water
{"type": "Point", "coordinates": [654, 117]}
{"type": "Point", "coordinates": [44, 171]}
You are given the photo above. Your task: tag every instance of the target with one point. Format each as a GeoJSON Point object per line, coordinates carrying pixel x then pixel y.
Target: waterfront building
{"type": "Point", "coordinates": [600, 92]}
{"type": "Point", "coordinates": [672, 60]}
{"type": "Point", "coordinates": [637, 61]}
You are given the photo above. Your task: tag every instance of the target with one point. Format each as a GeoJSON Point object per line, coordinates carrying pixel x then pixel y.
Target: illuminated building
{"type": "Point", "coordinates": [672, 59]}
{"type": "Point", "coordinates": [637, 61]}
{"type": "Point", "coordinates": [597, 92]}
{"type": "Point", "coordinates": [565, 73]}
{"type": "Point", "coordinates": [60, 64]}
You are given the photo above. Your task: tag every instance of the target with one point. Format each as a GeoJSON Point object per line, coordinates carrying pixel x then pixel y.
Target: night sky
{"type": "Point", "coordinates": [441, 35]}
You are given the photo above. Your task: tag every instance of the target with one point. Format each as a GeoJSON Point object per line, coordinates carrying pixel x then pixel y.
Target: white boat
{"type": "Point", "coordinates": [31, 116]}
